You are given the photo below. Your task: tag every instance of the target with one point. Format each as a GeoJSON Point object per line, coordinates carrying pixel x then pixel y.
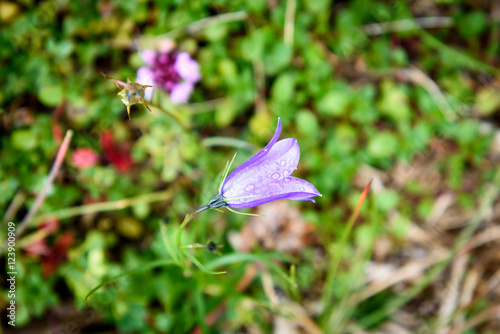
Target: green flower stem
{"type": "Point", "coordinates": [182, 248]}
{"type": "Point", "coordinates": [172, 115]}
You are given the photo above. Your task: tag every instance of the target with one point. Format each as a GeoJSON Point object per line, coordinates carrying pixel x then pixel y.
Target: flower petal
{"type": "Point", "coordinates": [145, 77]}
{"type": "Point", "coordinates": [180, 92]}
{"type": "Point", "coordinates": [148, 56]}
{"type": "Point", "coordinates": [187, 68]}
{"type": "Point", "coordinates": [278, 163]}
{"type": "Point", "coordinates": [291, 188]}
{"type": "Point", "coordinates": [235, 174]}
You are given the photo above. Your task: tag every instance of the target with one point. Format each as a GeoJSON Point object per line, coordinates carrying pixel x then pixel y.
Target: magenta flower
{"type": "Point", "coordinates": [174, 72]}
{"type": "Point", "coordinates": [265, 178]}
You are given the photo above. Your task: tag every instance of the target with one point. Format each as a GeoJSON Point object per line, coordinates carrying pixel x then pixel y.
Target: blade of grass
{"type": "Point", "coordinates": [146, 267]}
{"type": "Point", "coordinates": [337, 257]}
{"type": "Point", "coordinates": [168, 245]}
{"type": "Point", "coordinates": [457, 56]}
{"type": "Point", "coordinates": [204, 23]}
{"type": "Point", "coordinates": [201, 309]}
{"type": "Point", "coordinates": [201, 266]}
{"type": "Point", "coordinates": [247, 257]}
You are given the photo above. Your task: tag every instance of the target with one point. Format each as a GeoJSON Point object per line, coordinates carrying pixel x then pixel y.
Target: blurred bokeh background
{"type": "Point", "coordinates": [403, 93]}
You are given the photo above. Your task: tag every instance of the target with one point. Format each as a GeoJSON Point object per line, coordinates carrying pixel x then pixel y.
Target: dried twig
{"type": "Point", "coordinates": [291, 6]}
{"type": "Point", "coordinates": [374, 29]}
{"type": "Point", "coordinates": [43, 193]}
{"type": "Point", "coordinates": [14, 206]}
{"type": "Point", "coordinates": [109, 206]}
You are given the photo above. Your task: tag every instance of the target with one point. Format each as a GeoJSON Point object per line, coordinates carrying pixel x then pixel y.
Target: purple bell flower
{"type": "Point", "coordinates": [174, 72]}
{"type": "Point", "coordinates": [264, 178]}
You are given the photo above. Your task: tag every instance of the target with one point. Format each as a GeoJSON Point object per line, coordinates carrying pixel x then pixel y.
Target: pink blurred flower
{"type": "Point", "coordinates": [181, 92]}
{"type": "Point", "coordinates": [83, 158]}
{"type": "Point", "coordinates": [187, 68]}
{"type": "Point", "coordinates": [145, 77]}
{"type": "Point", "coordinates": [174, 72]}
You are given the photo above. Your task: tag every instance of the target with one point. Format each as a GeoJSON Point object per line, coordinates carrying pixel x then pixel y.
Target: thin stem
{"type": "Point", "coordinates": [204, 23]}
{"type": "Point", "coordinates": [227, 142]}
{"type": "Point", "coordinates": [53, 172]}
{"type": "Point", "coordinates": [182, 248]}
{"type": "Point", "coordinates": [109, 206]}
{"type": "Point", "coordinates": [374, 29]}
{"type": "Point", "coordinates": [206, 106]}
{"type": "Point", "coordinates": [338, 255]}
{"type": "Point", "coordinates": [172, 115]}
{"type": "Point", "coordinates": [291, 6]}
{"type": "Point", "coordinates": [244, 213]}
{"type": "Point", "coordinates": [188, 217]}
{"type": "Point", "coordinates": [260, 86]}
{"type": "Point", "coordinates": [14, 206]}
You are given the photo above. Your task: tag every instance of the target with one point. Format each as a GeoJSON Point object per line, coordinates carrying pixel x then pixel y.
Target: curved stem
{"type": "Point", "coordinates": [186, 220]}
{"type": "Point", "coordinates": [182, 248]}
{"type": "Point", "coordinates": [172, 115]}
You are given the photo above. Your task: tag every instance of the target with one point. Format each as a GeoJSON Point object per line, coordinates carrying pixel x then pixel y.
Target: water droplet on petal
{"type": "Point", "coordinates": [286, 172]}
{"type": "Point", "coordinates": [258, 191]}
{"type": "Point", "coordinates": [283, 163]}
{"type": "Point", "coordinates": [288, 179]}
{"type": "Point", "coordinates": [276, 176]}
{"type": "Point", "coordinates": [249, 187]}
{"type": "Point", "coordinates": [302, 189]}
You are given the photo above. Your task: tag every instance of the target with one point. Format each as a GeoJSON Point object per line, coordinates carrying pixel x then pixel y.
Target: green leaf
{"type": "Point", "coordinates": [307, 123]}
{"type": "Point", "coordinates": [201, 266]}
{"type": "Point", "coordinates": [383, 145]}
{"type": "Point", "coordinates": [488, 100]}
{"type": "Point", "coordinates": [24, 140]}
{"type": "Point", "coordinates": [335, 102]}
{"type": "Point", "coordinates": [283, 88]}
{"type": "Point", "coordinates": [394, 102]}
{"type": "Point", "coordinates": [50, 95]}
{"type": "Point", "coordinates": [472, 24]}
{"type": "Point", "coordinates": [252, 46]}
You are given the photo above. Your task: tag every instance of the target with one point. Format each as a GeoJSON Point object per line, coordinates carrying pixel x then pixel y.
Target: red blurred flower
{"type": "Point", "coordinates": [37, 248]}
{"type": "Point", "coordinates": [83, 158]}
{"type": "Point", "coordinates": [57, 253]}
{"type": "Point", "coordinates": [49, 226]}
{"type": "Point", "coordinates": [116, 154]}
{"type": "Point", "coordinates": [57, 132]}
